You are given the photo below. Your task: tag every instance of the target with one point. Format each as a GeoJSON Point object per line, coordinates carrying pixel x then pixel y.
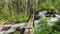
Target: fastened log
{"type": "Point", "coordinates": [28, 30]}
{"type": "Point", "coordinates": [15, 25]}
{"type": "Point", "coordinates": [12, 28]}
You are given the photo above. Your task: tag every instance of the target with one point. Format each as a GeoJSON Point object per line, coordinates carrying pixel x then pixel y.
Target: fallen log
{"type": "Point", "coordinates": [28, 30]}
{"type": "Point", "coordinates": [12, 27]}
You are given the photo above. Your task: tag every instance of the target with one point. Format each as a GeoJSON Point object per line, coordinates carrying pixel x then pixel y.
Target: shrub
{"type": "Point", "coordinates": [22, 18]}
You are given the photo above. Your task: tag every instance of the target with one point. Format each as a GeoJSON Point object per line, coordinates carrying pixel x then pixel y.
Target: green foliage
{"type": "Point", "coordinates": [9, 8]}
{"type": "Point", "coordinates": [42, 28]}
{"type": "Point", "coordinates": [58, 23]}
{"type": "Point", "coordinates": [11, 19]}
{"type": "Point", "coordinates": [22, 18]}
{"type": "Point", "coordinates": [1, 20]}
{"type": "Point", "coordinates": [47, 6]}
{"type": "Point", "coordinates": [57, 26]}
{"type": "Point", "coordinates": [57, 4]}
{"type": "Point", "coordinates": [43, 20]}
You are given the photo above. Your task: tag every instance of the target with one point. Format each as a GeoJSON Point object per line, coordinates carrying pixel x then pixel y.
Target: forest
{"type": "Point", "coordinates": [29, 16]}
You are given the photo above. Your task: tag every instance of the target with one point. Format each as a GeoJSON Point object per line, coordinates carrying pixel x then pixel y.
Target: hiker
{"type": "Point", "coordinates": [31, 10]}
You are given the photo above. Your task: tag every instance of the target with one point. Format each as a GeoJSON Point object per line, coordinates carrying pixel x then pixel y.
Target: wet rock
{"type": "Point", "coordinates": [2, 32]}
{"type": "Point", "coordinates": [36, 17]}
{"type": "Point", "coordinates": [52, 19]}
{"type": "Point", "coordinates": [42, 13]}
{"type": "Point", "coordinates": [10, 31]}
{"type": "Point", "coordinates": [58, 16]}
{"type": "Point", "coordinates": [36, 22]}
{"type": "Point", "coordinates": [22, 30]}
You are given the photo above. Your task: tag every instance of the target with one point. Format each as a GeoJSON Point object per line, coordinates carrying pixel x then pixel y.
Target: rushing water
{"type": "Point", "coordinates": [49, 19]}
